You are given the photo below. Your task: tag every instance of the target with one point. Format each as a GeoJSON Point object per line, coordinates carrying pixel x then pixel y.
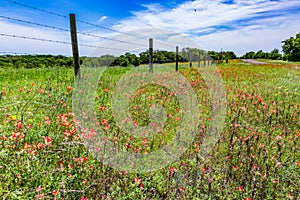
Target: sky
{"type": "Point", "coordinates": [229, 25]}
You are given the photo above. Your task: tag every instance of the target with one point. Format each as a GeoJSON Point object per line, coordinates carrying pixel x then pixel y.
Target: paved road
{"type": "Point", "coordinates": [253, 61]}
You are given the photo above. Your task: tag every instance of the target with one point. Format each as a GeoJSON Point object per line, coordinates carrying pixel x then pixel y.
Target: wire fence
{"type": "Point", "coordinates": [129, 41]}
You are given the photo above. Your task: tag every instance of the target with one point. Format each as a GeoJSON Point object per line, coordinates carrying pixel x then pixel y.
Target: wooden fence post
{"type": "Point", "coordinates": [74, 45]}
{"type": "Point", "coordinates": [191, 58]}
{"type": "Point", "coordinates": [199, 59]}
{"type": "Point", "coordinates": [177, 59]}
{"type": "Point", "coordinates": [150, 54]}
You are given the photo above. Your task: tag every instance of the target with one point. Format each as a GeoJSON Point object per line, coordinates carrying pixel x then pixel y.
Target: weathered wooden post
{"type": "Point", "coordinates": [191, 59]}
{"type": "Point", "coordinates": [177, 59]}
{"type": "Point", "coordinates": [199, 59]}
{"type": "Point", "coordinates": [74, 45]}
{"type": "Point", "coordinates": [150, 54]}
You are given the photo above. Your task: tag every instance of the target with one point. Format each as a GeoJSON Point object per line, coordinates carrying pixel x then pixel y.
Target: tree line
{"type": "Point", "coordinates": [290, 49]}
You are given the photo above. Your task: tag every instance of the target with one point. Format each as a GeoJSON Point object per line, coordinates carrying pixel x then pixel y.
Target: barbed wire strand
{"type": "Point", "coordinates": [12, 53]}
{"type": "Point", "coordinates": [38, 9]}
{"type": "Point", "coordinates": [59, 42]}
{"type": "Point", "coordinates": [66, 30]}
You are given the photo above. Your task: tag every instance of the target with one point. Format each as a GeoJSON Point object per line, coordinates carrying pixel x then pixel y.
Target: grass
{"type": "Point", "coordinates": [256, 156]}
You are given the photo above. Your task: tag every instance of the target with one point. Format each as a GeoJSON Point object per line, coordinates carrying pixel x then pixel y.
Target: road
{"type": "Point", "coordinates": [253, 61]}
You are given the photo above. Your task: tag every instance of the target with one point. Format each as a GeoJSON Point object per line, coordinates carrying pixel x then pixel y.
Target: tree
{"type": "Point", "coordinates": [275, 55]}
{"type": "Point", "coordinates": [291, 48]}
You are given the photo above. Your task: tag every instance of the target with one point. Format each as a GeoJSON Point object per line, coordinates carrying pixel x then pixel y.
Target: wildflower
{"type": "Point", "coordinates": [27, 146]}
{"type": "Point", "coordinates": [32, 152]}
{"type": "Point", "coordinates": [142, 186]}
{"type": "Point", "coordinates": [298, 163]}
{"type": "Point", "coordinates": [104, 121]}
{"type": "Point", "coordinates": [48, 140]}
{"type": "Point", "coordinates": [102, 108]}
{"type": "Point", "coordinates": [278, 138]}
{"type": "Point", "coordinates": [83, 159]}
{"type": "Point", "coordinates": [241, 189]}
{"type": "Point", "coordinates": [107, 126]}
{"type": "Point", "coordinates": [55, 192]}
{"type": "Point", "coordinates": [235, 168]}
{"type": "Point", "coordinates": [145, 141]}
{"type": "Point", "coordinates": [61, 164]}
{"type": "Point", "coordinates": [172, 169]}
{"type": "Point", "coordinates": [182, 188]}
{"type": "Point", "coordinates": [39, 145]}
{"type": "Point", "coordinates": [38, 189]}
{"type": "Point", "coordinates": [70, 88]}
{"type": "Point", "coordinates": [71, 166]}
{"type": "Point", "coordinates": [84, 198]}
{"type": "Point", "coordinates": [137, 181]}
{"type": "Point", "coordinates": [19, 125]}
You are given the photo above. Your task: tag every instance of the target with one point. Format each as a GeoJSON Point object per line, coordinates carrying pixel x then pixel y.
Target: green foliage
{"type": "Point", "coordinates": [291, 48]}
{"type": "Point", "coordinates": [35, 61]}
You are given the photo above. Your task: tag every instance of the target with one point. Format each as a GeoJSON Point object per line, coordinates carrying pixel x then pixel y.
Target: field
{"type": "Point", "coordinates": [257, 155]}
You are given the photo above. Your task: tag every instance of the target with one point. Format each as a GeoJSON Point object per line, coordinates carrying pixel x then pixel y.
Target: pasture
{"type": "Point", "coordinates": [257, 155]}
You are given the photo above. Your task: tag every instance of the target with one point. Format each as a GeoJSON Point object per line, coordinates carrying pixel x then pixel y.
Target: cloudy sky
{"type": "Point", "coordinates": [235, 25]}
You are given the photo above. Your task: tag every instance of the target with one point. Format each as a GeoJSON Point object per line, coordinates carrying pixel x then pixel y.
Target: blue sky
{"type": "Point", "coordinates": [237, 25]}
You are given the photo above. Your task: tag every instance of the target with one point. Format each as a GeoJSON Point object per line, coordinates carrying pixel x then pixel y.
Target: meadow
{"type": "Point", "coordinates": [257, 155]}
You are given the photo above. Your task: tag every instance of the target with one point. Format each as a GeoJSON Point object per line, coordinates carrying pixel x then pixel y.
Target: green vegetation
{"type": "Point", "coordinates": [291, 48]}
{"type": "Point", "coordinates": [256, 157]}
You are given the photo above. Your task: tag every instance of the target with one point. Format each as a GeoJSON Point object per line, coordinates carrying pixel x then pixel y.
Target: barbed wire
{"type": "Point", "coordinates": [63, 42]}
{"type": "Point", "coordinates": [87, 23]}
{"type": "Point", "coordinates": [38, 9]}
{"type": "Point", "coordinates": [12, 53]}
{"type": "Point", "coordinates": [66, 30]}
{"type": "Point", "coordinates": [34, 23]}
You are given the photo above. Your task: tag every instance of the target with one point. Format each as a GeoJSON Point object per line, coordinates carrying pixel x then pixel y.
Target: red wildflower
{"type": "Point", "coordinates": [83, 159]}
{"type": "Point", "coordinates": [241, 189]}
{"type": "Point", "coordinates": [70, 88]}
{"type": "Point", "coordinates": [142, 186]}
{"type": "Point", "coordinates": [172, 169]}
{"type": "Point", "coordinates": [55, 192]}
{"type": "Point", "coordinates": [48, 140]}
{"type": "Point", "coordinates": [102, 108]}
{"type": "Point", "coordinates": [137, 181]}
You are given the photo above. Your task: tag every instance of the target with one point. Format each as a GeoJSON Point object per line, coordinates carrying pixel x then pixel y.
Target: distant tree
{"type": "Point", "coordinates": [275, 55]}
{"type": "Point", "coordinates": [260, 55]}
{"type": "Point", "coordinates": [144, 57]}
{"type": "Point", "coordinates": [249, 55]}
{"type": "Point", "coordinates": [291, 48]}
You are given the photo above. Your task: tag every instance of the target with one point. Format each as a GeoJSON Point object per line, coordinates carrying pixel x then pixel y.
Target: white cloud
{"type": "Point", "coordinates": [243, 26]}
{"type": "Point", "coordinates": [247, 25]}
{"type": "Point", "coordinates": [102, 19]}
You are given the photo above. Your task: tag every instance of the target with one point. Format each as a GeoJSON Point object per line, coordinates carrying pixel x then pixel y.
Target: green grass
{"type": "Point", "coordinates": [256, 156]}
